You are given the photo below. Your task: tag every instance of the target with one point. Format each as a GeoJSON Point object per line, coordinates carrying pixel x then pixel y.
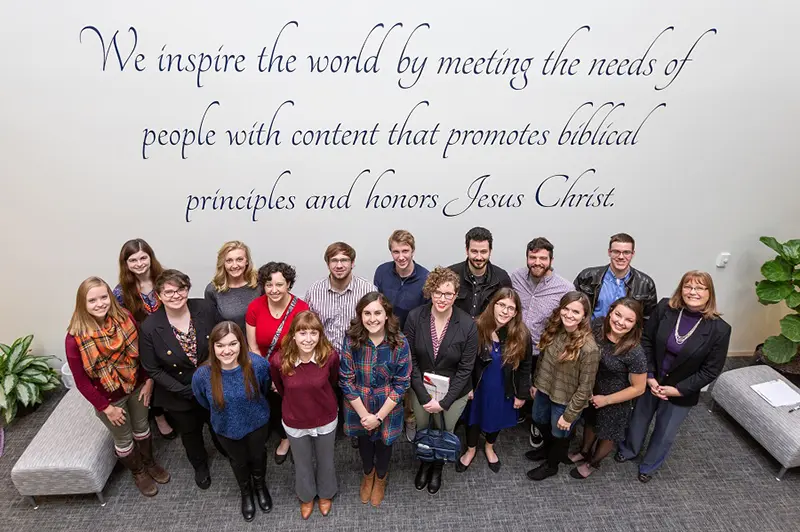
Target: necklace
{"type": "Point", "coordinates": [681, 339]}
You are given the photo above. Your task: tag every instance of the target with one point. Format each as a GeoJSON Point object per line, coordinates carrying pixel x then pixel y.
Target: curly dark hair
{"type": "Point", "coordinates": [478, 234]}
{"type": "Point", "coordinates": [358, 334]}
{"type": "Point", "coordinates": [265, 273]}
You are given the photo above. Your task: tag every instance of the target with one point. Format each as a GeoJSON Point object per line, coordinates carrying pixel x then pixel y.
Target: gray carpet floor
{"type": "Point", "coordinates": [717, 478]}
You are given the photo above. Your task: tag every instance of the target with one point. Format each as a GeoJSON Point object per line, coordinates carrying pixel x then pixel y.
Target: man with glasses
{"type": "Point", "coordinates": [605, 284]}
{"type": "Point", "coordinates": [480, 279]}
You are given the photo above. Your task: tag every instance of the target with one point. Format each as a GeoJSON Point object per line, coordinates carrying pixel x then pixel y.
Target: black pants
{"type": "Point", "coordinates": [474, 431]}
{"type": "Point", "coordinates": [247, 455]}
{"type": "Point", "coordinates": [374, 454]}
{"type": "Point", "coordinates": [275, 401]}
{"type": "Point", "coordinates": [189, 424]}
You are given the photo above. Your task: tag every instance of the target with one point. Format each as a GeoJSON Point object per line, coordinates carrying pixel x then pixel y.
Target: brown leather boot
{"type": "Point", "coordinates": [158, 473]}
{"type": "Point", "coordinates": [378, 490]}
{"type": "Point", "coordinates": [143, 481]}
{"type": "Point", "coordinates": [366, 486]}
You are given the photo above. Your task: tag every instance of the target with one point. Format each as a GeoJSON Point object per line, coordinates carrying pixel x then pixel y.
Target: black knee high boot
{"type": "Point", "coordinates": [260, 486]}
{"type": "Point", "coordinates": [542, 452]}
{"type": "Point", "coordinates": [558, 454]}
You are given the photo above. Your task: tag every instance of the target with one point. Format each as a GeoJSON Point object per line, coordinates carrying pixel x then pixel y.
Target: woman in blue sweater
{"type": "Point", "coordinates": [233, 385]}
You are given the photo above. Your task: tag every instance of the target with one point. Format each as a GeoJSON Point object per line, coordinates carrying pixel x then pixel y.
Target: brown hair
{"type": "Point", "coordinates": [220, 331]}
{"type": "Point", "coordinates": [401, 236]}
{"type": "Point", "coordinates": [220, 280]}
{"type": "Point", "coordinates": [358, 334]}
{"type": "Point", "coordinates": [173, 277]}
{"type": "Point", "coordinates": [290, 353]}
{"type": "Point", "coordinates": [633, 337]}
{"type": "Point", "coordinates": [622, 238]}
{"type": "Point", "coordinates": [676, 301]}
{"type": "Point", "coordinates": [518, 336]}
{"type": "Point", "coordinates": [339, 247]}
{"type": "Point", "coordinates": [127, 279]}
{"type": "Point", "coordinates": [437, 278]}
{"type": "Point", "coordinates": [82, 322]}
{"type": "Point", "coordinates": [577, 338]}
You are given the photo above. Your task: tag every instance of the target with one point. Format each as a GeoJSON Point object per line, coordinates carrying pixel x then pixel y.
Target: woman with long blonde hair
{"type": "Point", "coordinates": [234, 284]}
{"type": "Point", "coordinates": [564, 380]}
{"type": "Point", "coordinates": [102, 348]}
{"type": "Point", "coordinates": [305, 372]}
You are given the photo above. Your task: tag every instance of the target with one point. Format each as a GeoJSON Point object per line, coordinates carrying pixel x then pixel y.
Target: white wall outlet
{"type": "Point", "coordinates": [722, 259]}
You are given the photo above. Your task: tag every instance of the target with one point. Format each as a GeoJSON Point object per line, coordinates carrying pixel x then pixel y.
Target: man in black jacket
{"type": "Point", "coordinates": [480, 279]}
{"type": "Point", "coordinates": [605, 284]}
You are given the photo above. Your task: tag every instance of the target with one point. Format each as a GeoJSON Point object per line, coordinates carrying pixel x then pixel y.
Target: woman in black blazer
{"type": "Point", "coordinates": [173, 342]}
{"type": "Point", "coordinates": [686, 343]}
{"type": "Point", "coordinates": [444, 341]}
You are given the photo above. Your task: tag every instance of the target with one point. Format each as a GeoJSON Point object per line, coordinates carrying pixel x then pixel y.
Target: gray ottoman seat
{"type": "Point", "coordinates": [774, 428]}
{"type": "Point", "coordinates": [72, 453]}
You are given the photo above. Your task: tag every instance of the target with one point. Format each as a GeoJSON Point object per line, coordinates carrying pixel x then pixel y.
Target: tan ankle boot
{"type": "Point", "coordinates": [366, 486]}
{"type": "Point", "coordinates": [378, 490]}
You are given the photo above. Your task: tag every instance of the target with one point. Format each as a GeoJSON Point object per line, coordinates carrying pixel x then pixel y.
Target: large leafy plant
{"type": "Point", "coordinates": [781, 283]}
{"type": "Point", "coordinates": [23, 377]}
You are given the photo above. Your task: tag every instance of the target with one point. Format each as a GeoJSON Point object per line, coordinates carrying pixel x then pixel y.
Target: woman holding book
{"type": "Point", "coordinates": [444, 342]}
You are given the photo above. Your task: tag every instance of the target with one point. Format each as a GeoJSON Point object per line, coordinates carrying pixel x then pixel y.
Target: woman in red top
{"type": "Point", "coordinates": [305, 372]}
{"type": "Point", "coordinates": [268, 318]}
{"type": "Point", "coordinates": [102, 347]}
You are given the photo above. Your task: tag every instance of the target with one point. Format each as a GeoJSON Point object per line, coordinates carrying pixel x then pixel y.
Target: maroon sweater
{"type": "Point", "coordinates": [308, 397]}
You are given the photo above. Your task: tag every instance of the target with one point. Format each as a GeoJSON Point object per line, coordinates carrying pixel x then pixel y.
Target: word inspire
{"type": "Point", "coordinates": [558, 190]}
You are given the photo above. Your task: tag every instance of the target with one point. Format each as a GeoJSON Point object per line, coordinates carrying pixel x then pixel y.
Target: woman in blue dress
{"type": "Point", "coordinates": [501, 378]}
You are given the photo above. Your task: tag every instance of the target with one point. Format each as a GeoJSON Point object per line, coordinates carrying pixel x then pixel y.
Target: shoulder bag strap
{"type": "Point", "coordinates": [272, 345]}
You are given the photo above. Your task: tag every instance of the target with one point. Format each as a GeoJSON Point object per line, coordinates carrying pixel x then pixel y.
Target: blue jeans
{"type": "Point", "coordinates": [546, 412]}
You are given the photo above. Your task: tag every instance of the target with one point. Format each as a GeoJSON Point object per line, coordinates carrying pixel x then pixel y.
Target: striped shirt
{"type": "Point", "coordinates": [538, 300]}
{"type": "Point", "coordinates": [435, 339]}
{"type": "Point", "coordinates": [337, 309]}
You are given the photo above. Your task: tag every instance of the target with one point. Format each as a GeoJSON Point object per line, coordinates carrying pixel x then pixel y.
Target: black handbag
{"type": "Point", "coordinates": [437, 445]}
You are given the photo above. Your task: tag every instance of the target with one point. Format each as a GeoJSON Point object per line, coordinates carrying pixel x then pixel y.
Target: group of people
{"type": "Point", "coordinates": [251, 358]}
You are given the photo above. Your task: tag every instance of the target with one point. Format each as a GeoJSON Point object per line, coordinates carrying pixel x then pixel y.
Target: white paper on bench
{"type": "Point", "coordinates": [777, 393]}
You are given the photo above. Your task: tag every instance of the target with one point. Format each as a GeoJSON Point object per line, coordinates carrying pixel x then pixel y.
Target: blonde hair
{"type": "Point", "coordinates": [401, 236]}
{"type": "Point", "coordinates": [220, 280]}
{"type": "Point", "coordinates": [290, 353]}
{"type": "Point", "coordinates": [82, 322]}
{"type": "Point", "coordinates": [676, 302]}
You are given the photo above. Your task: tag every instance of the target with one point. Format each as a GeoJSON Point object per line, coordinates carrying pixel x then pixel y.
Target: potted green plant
{"type": "Point", "coordinates": [23, 378]}
{"type": "Point", "coordinates": [781, 282]}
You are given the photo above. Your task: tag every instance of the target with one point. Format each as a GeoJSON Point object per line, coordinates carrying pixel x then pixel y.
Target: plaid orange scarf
{"type": "Point", "coordinates": [111, 354]}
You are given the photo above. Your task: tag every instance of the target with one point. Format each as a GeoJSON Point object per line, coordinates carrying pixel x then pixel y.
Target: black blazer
{"type": "Point", "coordinates": [517, 381]}
{"type": "Point", "coordinates": [165, 361]}
{"type": "Point", "coordinates": [456, 358]}
{"type": "Point", "coordinates": [700, 361]}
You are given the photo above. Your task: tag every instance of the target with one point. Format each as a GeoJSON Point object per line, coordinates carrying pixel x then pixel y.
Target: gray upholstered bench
{"type": "Point", "coordinates": [72, 453]}
{"type": "Point", "coordinates": [774, 428]}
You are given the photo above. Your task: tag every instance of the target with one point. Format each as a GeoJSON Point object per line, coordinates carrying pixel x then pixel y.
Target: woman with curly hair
{"type": "Point", "coordinates": [564, 380]}
{"type": "Point", "coordinates": [443, 340]}
{"type": "Point", "coordinates": [374, 374]}
{"type": "Point", "coordinates": [268, 319]}
{"type": "Point", "coordinates": [305, 371]}
{"type": "Point", "coordinates": [502, 376]}
{"type": "Point", "coordinates": [234, 284]}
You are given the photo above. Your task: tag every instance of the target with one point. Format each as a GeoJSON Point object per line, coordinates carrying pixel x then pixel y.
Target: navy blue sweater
{"type": "Point", "coordinates": [241, 415]}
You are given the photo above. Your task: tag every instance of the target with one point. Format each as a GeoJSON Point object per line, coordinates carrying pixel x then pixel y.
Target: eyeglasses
{"type": "Point", "coordinates": [617, 253]}
{"type": "Point", "coordinates": [169, 293]}
{"type": "Point", "coordinates": [511, 309]}
{"type": "Point", "coordinates": [339, 261]}
{"type": "Point", "coordinates": [447, 296]}
{"type": "Point", "coordinates": [698, 289]}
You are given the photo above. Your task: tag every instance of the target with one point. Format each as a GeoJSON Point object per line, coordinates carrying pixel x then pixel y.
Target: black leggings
{"type": "Point", "coordinates": [274, 399]}
{"type": "Point", "coordinates": [474, 431]}
{"type": "Point", "coordinates": [374, 454]}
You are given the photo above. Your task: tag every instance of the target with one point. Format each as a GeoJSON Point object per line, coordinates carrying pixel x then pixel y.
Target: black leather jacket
{"type": "Point", "coordinates": [639, 286]}
{"type": "Point", "coordinates": [517, 381]}
{"type": "Point", "coordinates": [473, 299]}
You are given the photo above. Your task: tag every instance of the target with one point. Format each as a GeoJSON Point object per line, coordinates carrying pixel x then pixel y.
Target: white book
{"type": "Point", "coordinates": [436, 385]}
{"type": "Point", "coordinates": [777, 393]}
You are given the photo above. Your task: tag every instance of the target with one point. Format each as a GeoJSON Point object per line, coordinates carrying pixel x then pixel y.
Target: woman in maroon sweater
{"type": "Point", "coordinates": [102, 347]}
{"type": "Point", "coordinates": [305, 372]}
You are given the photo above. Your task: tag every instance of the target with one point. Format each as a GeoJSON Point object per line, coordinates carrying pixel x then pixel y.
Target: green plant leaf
{"type": "Point", "coordinates": [38, 378]}
{"type": "Point", "coordinates": [49, 386]}
{"type": "Point", "coordinates": [3, 401]}
{"type": "Point", "coordinates": [10, 413]}
{"type": "Point", "coordinates": [777, 270]}
{"type": "Point", "coordinates": [790, 327]}
{"type": "Point", "coordinates": [23, 393]}
{"type": "Point", "coordinates": [793, 301]}
{"type": "Point", "coordinates": [14, 356]}
{"type": "Point", "coordinates": [9, 383]}
{"type": "Point", "coordinates": [773, 292]}
{"type": "Point", "coordinates": [796, 275]}
{"type": "Point", "coordinates": [779, 349]}
{"type": "Point", "coordinates": [23, 364]}
{"type": "Point", "coordinates": [5, 349]}
{"type": "Point", "coordinates": [772, 243]}
{"type": "Point", "coordinates": [791, 251]}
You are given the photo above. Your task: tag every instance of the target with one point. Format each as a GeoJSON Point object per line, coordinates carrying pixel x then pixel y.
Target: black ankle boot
{"type": "Point", "coordinates": [262, 493]}
{"type": "Point", "coordinates": [541, 453]}
{"type": "Point", "coordinates": [557, 455]}
{"type": "Point", "coordinates": [248, 506]}
{"type": "Point", "coordinates": [435, 481]}
{"type": "Point", "coordinates": [202, 477]}
{"type": "Point", "coordinates": [423, 476]}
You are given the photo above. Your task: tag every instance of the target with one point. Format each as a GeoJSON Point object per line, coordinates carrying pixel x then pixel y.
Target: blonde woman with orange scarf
{"type": "Point", "coordinates": [102, 347]}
